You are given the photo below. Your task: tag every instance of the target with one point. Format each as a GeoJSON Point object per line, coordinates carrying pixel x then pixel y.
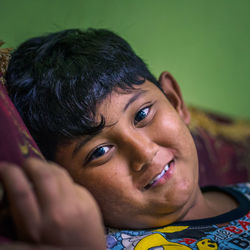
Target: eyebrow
{"type": "Point", "coordinates": [81, 143]}
{"type": "Point", "coordinates": [87, 138]}
{"type": "Point", "coordinates": [133, 99]}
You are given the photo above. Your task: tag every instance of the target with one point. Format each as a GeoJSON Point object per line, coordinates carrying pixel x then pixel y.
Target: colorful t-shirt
{"type": "Point", "coordinates": [226, 231]}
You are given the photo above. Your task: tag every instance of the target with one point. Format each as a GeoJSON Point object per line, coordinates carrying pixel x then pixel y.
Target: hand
{"type": "Point", "coordinates": [49, 208]}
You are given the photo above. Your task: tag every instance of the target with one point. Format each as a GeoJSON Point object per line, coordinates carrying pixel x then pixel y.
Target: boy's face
{"type": "Point", "coordinates": [142, 168]}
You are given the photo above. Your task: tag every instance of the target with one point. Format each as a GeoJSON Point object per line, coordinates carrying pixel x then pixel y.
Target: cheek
{"type": "Point", "coordinates": [168, 129]}
{"type": "Point", "coordinates": [106, 182]}
{"type": "Point", "coordinates": [114, 194]}
{"type": "Point", "coordinates": [171, 132]}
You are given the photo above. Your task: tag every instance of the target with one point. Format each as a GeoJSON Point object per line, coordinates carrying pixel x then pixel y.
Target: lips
{"type": "Point", "coordinates": [159, 176]}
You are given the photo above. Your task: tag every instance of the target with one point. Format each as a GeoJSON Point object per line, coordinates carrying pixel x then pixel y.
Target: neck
{"type": "Point", "coordinates": [210, 204]}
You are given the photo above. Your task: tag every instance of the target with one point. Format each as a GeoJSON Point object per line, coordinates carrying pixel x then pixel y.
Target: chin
{"type": "Point", "coordinates": [183, 194]}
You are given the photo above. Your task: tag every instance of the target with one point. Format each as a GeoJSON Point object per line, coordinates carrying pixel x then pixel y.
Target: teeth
{"type": "Point", "coordinates": [166, 168]}
{"type": "Point", "coordinates": [160, 175]}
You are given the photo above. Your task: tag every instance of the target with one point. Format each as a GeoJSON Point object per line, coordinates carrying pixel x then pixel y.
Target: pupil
{"type": "Point", "coordinates": [141, 115]}
{"type": "Point", "coordinates": [99, 152]}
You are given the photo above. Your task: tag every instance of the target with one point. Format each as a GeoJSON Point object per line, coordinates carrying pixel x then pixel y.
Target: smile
{"type": "Point", "coordinates": [159, 176]}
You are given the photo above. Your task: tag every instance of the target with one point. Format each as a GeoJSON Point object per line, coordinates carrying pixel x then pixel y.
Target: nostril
{"type": "Point", "coordinates": [142, 160]}
{"type": "Point", "coordinates": [138, 166]}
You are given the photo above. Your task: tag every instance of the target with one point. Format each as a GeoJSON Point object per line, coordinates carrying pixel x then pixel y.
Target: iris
{"type": "Point", "coordinates": [141, 115]}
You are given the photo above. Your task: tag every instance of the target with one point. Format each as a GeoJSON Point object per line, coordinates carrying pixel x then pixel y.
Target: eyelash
{"type": "Point", "coordinates": [91, 156]}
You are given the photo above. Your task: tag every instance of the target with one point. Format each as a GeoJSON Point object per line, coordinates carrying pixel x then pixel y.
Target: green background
{"type": "Point", "coordinates": [205, 44]}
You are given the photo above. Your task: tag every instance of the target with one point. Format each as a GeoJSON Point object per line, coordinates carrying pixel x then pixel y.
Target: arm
{"type": "Point", "coordinates": [49, 208]}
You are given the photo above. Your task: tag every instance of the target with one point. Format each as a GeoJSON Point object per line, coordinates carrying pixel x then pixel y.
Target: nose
{"type": "Point", "coordinates": [140, 149]}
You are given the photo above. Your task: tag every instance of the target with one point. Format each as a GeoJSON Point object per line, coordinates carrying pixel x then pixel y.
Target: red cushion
{"type": "Point", "coordinates": [223, 147]}
{"type": "Point", "coordinates": [16, 144]}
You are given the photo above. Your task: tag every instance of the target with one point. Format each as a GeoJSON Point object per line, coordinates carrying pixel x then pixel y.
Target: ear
{"type": "Point", "coordinates": [172, 90]}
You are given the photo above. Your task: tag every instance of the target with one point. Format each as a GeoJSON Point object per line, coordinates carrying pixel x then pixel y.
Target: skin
{"type": "Point", "coordinates": [46, 206]}
{"type": "Point", "coordinates": [134, 147]}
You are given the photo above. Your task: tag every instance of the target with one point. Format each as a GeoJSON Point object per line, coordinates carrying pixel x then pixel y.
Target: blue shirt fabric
{"type": "Point", "coordinates": [227, 231]}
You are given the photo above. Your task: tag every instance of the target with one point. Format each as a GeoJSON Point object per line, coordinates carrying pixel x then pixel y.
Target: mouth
{"type": "Point", "coordinates": [160, 176]}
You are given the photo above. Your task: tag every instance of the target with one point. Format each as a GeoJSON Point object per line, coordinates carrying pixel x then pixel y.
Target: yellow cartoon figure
{"type": "Point", "coordinates": [207, 244]}
{"type": "Point", "coordinates": [159, 242]}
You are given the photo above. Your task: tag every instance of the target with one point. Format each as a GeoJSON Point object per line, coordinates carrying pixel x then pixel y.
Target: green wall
{"type": "Point", "coordinates": [205, 44]}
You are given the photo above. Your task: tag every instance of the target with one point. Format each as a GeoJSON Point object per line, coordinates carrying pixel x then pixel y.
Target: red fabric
{"type": "Point", "coordinates": [221, 162]}
{"type": "Point", "coordinates": [223, 159]}
{"type": "Point", "coordinates": [16, 144]}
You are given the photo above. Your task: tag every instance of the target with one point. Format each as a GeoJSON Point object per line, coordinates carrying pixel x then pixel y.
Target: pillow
{"type": "Point", "coordinates": [16, 143]}
{"type": "Point", "coordinates": [223, 146]}
{"type": "Point", "coordinates": [4, 59]}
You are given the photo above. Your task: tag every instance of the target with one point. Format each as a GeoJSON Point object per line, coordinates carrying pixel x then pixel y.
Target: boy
{"type": "Point", "coordinates": [93, 107]}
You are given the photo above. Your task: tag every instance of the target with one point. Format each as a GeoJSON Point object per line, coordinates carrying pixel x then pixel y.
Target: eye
{"type": "Point", "coordinates": [99, 152]}
{"type": "Point", "coordinates": [141, 114]}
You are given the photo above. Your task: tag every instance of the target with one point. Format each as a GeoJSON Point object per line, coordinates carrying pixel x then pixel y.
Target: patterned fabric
{"type": "Point", "coordinates": [16, 143]}
{"type": "Point", "coordinates": [223, 146]}
{"type": "Point", "coordinates": [4, 59]}
{"type": "Point", "coordinates": [229, 231]}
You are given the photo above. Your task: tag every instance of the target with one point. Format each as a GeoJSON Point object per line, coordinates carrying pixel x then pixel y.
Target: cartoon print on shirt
{"type": "Point", "coordinates": [129, 242]}
{"type": "Point", "coordinates": [207, 244]}
{"type": "Point", "coordinates": [156, 240]}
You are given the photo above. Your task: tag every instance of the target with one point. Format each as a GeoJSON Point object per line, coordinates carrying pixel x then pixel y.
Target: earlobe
{"type": "Point", "coordinates": [172, 90]}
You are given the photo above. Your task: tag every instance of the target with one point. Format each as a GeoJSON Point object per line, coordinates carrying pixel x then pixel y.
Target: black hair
{"type": "Point", "coordinates": [56, 81]}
